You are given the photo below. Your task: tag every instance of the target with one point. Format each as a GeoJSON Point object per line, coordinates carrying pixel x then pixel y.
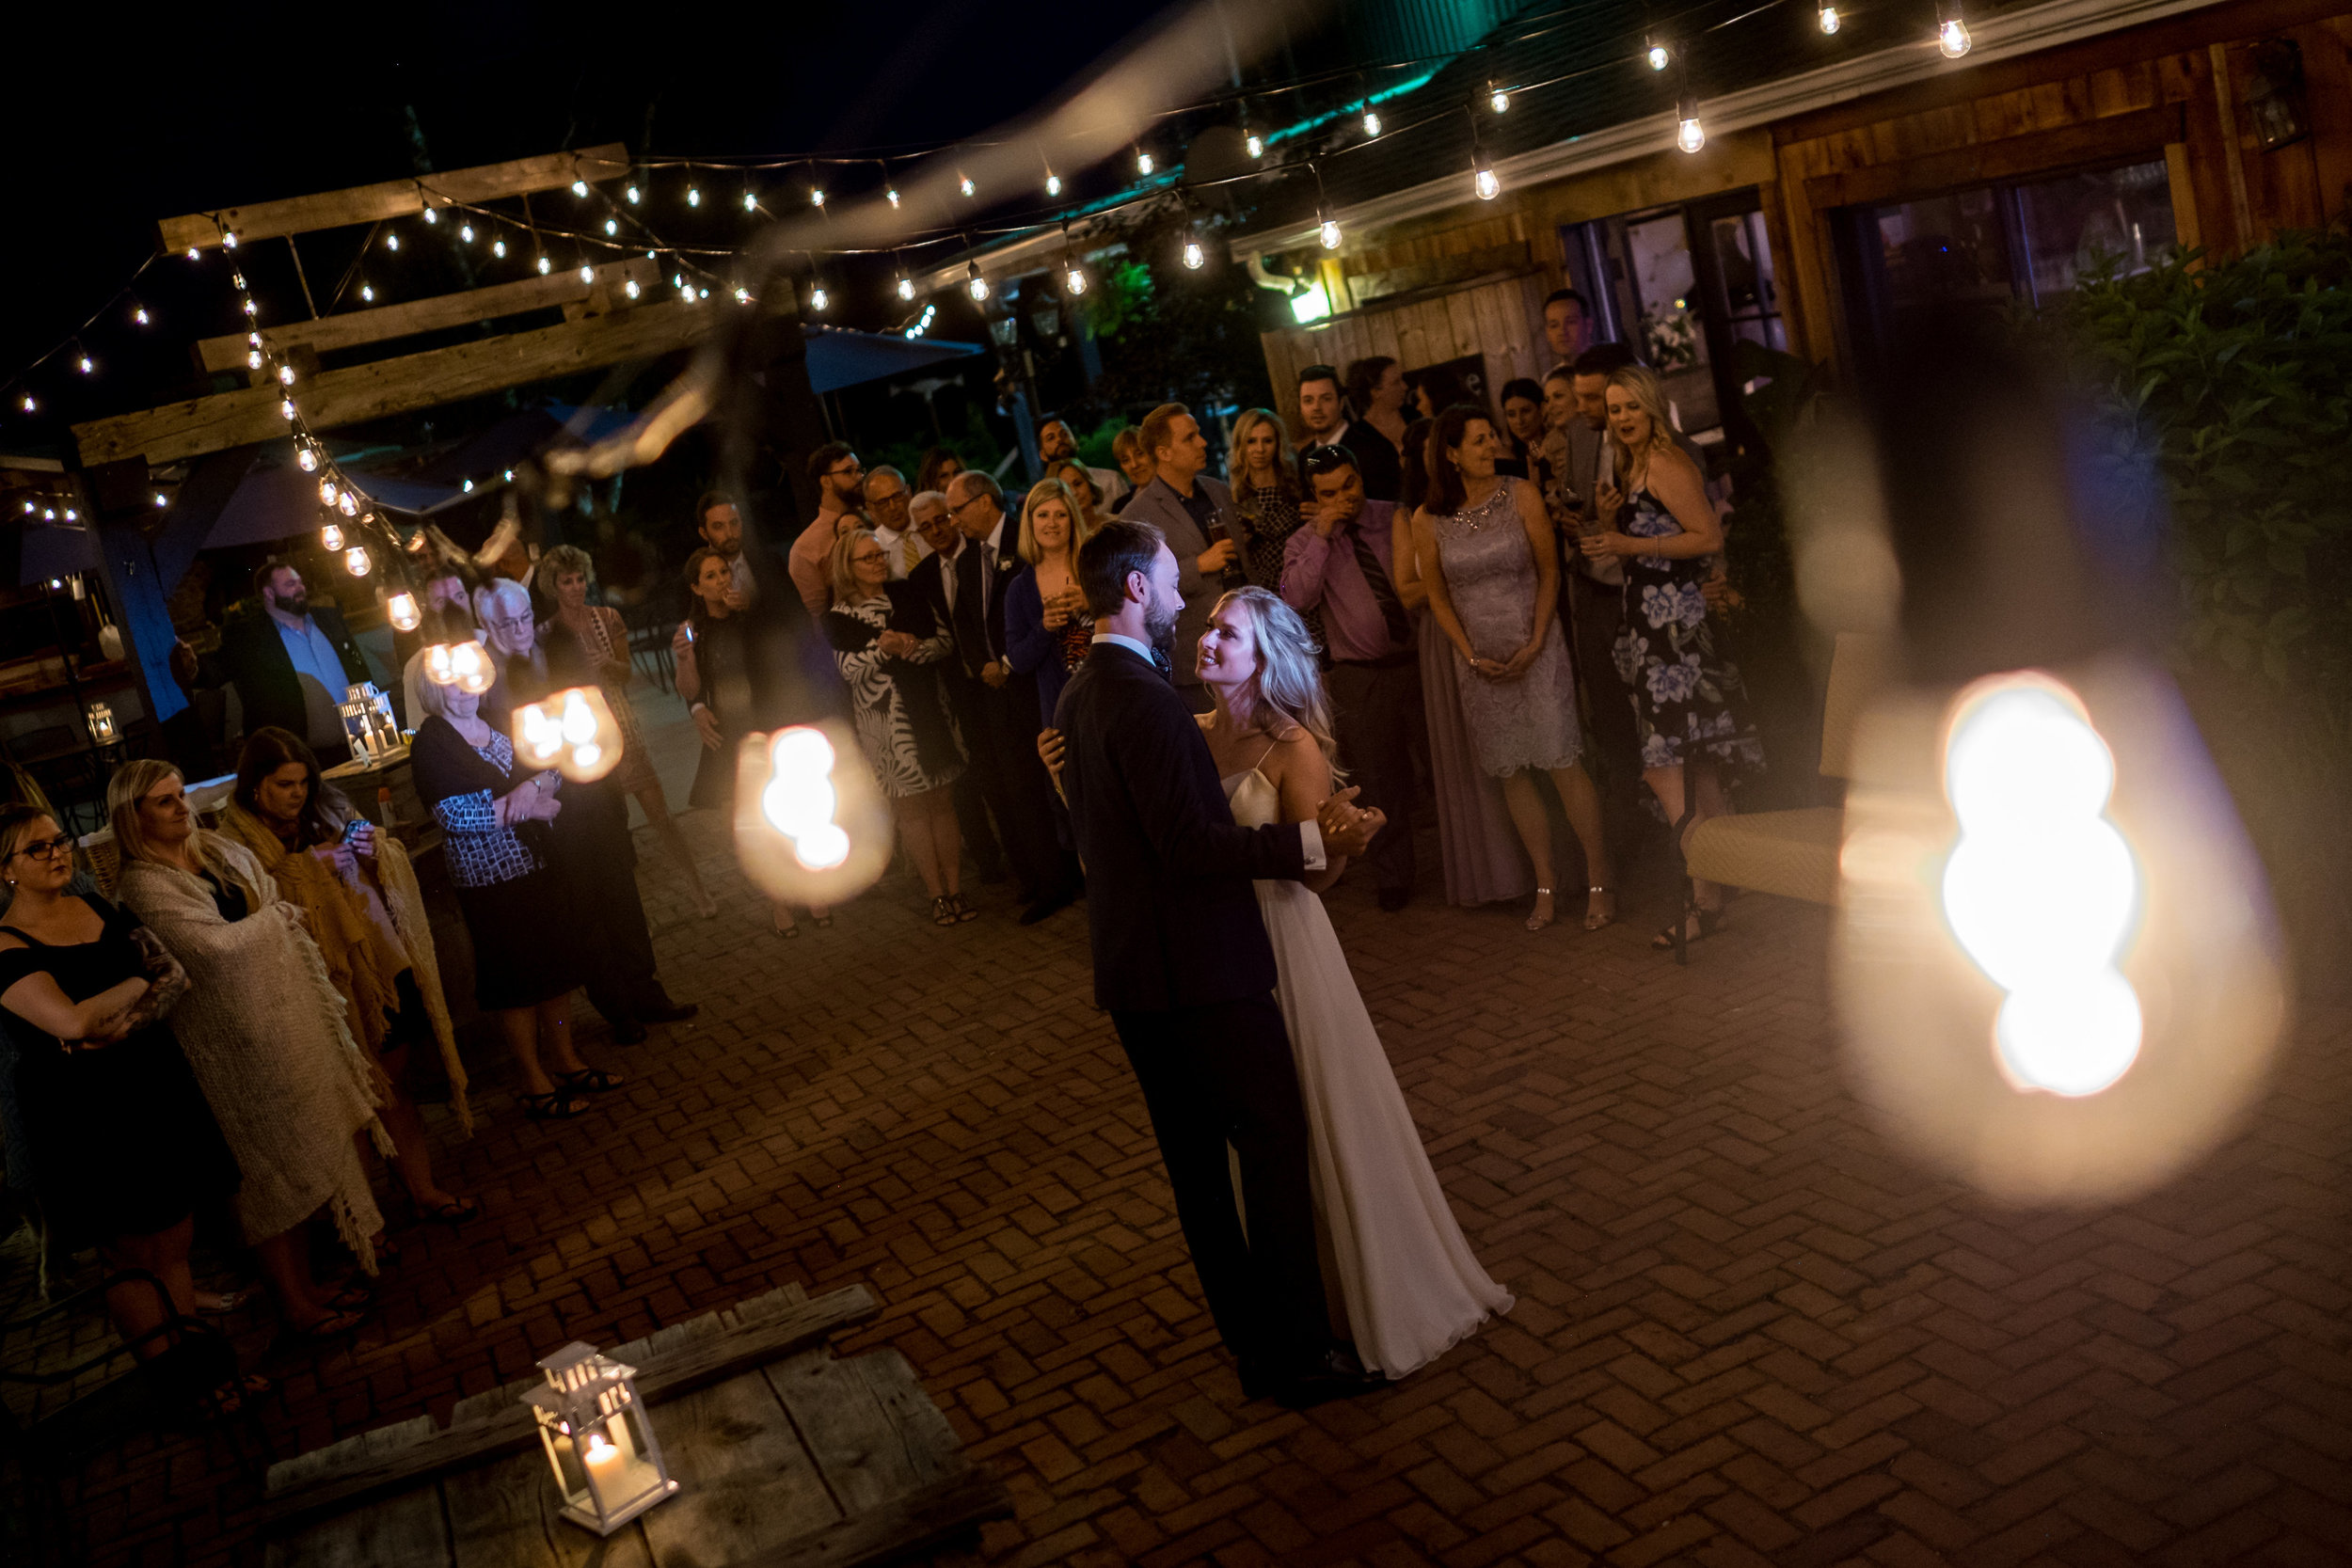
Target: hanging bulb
{"type": "Point", "coordinates": [331, 539]}
{"type": "Point", "coordinates": [85, 364]}
{"type": "Point", "coordinates": [818, 299]}
{"type": "Point", "coordinates": [1328, 231]}
{"type": "Point", "coordinates": [465, 233]}
{"type": "Point", "coordinates": [1143, 161]}
{"type": "Point", "coordinates": [161, 500]}
{"type": "Point", "coordinates": [348, 504]}
{"type": "Point", "coordinates": [816, 199]}
{"type": "Point", "coordinates": [1951, 32]}
{"type": "Point", "coordinates": [1828, 19]}
{"type": "Point", "coordinates": [229, 241]}
{"type": "Point", "coordinates": [253, 359]}
{"type": "Point", "coordinates": [327, 492]}
{"type": "Point", "coordinates": [285, 375]}
{"type": "Point", "coordinates": [432, 217]}
{"type": "Point", "coordinates": [612, 226]}
{"type": "Point", "coordinates": [308, 459]}
{"type": "Point", "coordinates": [1196, 256]}
{"type": "Point", "coordinates": [140, 315]}
{"type": "Point", "coordinates": [356, 560]}
{"type": "Point", "coordinates": [466, 486]}
{"type": "Point", "coordinates": [1690, 135]}
{"type": "Point", "coordinates": [400, 611]}
{"type": "Point", "coordinates": [28, 404]}
{"type": "Point", "coordinates": [1371, 122]}
{"type": "Point", "coordinates": [237, 281]}
{"type": "Point", "coordinates": [742, 295]}
{"type": "Point", "coordinates": [906, 287]}
{"type": "Point", "coordinates": [1658, 55]}
{"type": "Point", "coordinates": [545, 266]}
{"type": "Point", "coordinates": [587, 273]}
{"type": "Point", "coordinates": [1073, 279]}
{"type": "Point", "coordinates": [1254, 142]}
{"type": "Point", "coordinates": [632, 287]}
{"type": "Point", "coordinates": [892, 193]}
{"type": "Point", "coordinates": [964, 182]}
{"type": "Point", "coordinates": [286, 409]}
{"type": "Point", "coordinates": [579, 187]}
{"type": "Point", "coordinates": [631, 196]}
{"type": "Point", "coordinates": [1497, 98]}
{"type": "Point", "coordinates": [1483, 181]}
{"type": "Point", "coordinates": [249, 308]}
{"type": "Point", "coordinates": [367, 294]}
{"type": "Point", "coordinates": [693, 196]}
{"type": "Point", "coordinates": [498, 248]}
{"type": "Point", "coordinates": [975, 285]}
{"type": "Point", "coordinates": [391, 242]}
{"type": "Point", "coordinates": [1053, 184]}
{"type": "Point", "coordinates": [194, 255]}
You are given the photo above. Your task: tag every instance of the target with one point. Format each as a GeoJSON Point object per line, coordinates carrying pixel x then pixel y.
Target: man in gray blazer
{"type": "Point", "coordinates": [1196, 515]}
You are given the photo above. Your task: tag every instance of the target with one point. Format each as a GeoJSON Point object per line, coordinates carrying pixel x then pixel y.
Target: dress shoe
{"type": "Point", "coordinates": [1048, 905]}
{"type": "Point", "coordinates": [671, 1012]}
{"type": "Point", "coordinates": [1394, 899]}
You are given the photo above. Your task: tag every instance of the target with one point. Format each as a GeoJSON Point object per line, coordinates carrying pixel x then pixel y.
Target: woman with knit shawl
{"type": "Point", "coordinates": [367, 916]}
{"type": "Point", "coordinates": [264, 1032]}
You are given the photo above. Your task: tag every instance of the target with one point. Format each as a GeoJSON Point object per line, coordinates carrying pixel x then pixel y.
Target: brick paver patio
{"type": "Point", "coordinates": [1748, 1331]}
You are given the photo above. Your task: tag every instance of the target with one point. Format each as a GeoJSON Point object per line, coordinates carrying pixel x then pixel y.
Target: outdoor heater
{"type": "Point", "coordinates": [607, 1462]}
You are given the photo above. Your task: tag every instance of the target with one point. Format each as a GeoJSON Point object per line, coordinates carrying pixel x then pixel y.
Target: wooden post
{"type": "Point", "coordinates": [120, 503]}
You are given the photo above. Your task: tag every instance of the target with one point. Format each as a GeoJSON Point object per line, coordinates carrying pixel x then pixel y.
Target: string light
{"type": "Point", "coordinates": [1143, 161]}
{"type": "Point", "coordinates": [1053, 184]}
{"type": "Point", "coordinates": [348, 504]}
{"type": "Point", "coordinates": [1074, 277]}
{"type": "Point", "coordinates": [964, 182]}
{"type": "Point", "coordinates": [1253, 142]}
{"type": "Point", "coordinates": [818, 299]}
{"type": "Point", "coordinates": [892, 193]}
{"type": "Point", "coordinates": [85, 364]}
{"type": "Point", "coordinates": [1327, 229]}
{"type": "Point", "coordinates": [1951, 30]}
{"type": "Point", "coordinates": [1372, 120]}
{"type": "Point", "coordinates": [1482, 179]}
{"type": "Point", "coordinates": [465, 233]}
{"type": "Point", "coordinates": [285, 375]}
{"type": "Point", "coordinates": [286, 409]}
{"type": "Point", "coordinates": [587, 273]}
{"type": "Point", "coordinates": [632, 195]}
{"type": "Point", "coordinates": [579, 187]}
{"type": "Point", "coordinates": [432, 217]}
{"type": "Point", "coordinates": [161, 500]}
{"type": "Point", "coordinates": [1497, 99]}
{"type": "Point", "coordinates": [140, 315]}
{"type": "Point", "coordinates": [29, 406]}
{"type": "Point", "coordinates": [816, 199]}
{"type": "Point", "coordinates": [498, 248]}
{"type": "Point", "coordinates": [391, 242]}
{"type": "Point", "coordinates": [331, 539]}
{"type": "Point", "coordinates": [308, 456]}
{"type": "Point", "coordinates": [1690, 135]}
{"type": "Point", "coordinates": [906, 285]}
{"type": "Point", "coordinates": [742, 295]}
{"type": "Point", "coordinates": [693, 196]}
{"type": "Point", "coordinates": [632, 287]}
{"type": "Point", "coordinates": [1828, 19]}
{"type": "Point", "coordinates": [253, 359]}
{"type": "Point", "coordinates": [545, 266]}
{"type": "Point", "coordinates": [228, 240]}
{"type": "Point", "coordinates": [1196, 255]}
{"type": "Point", "coordinates": [327, 492]}
{"type": "Point", "coordinates": [975, 284]}
{"type": "Point", "coordinates": [612, 226]}
{"type": "Point", "coordinates": [1658, 55]}
{"type": "Point", "coordinates": [367, 292]}
{"type": "Point", "coordinates": [356, 560]}
{"type": "Point", "coordinates": [401, 609]}
{"type": "Point", "coordinates": [193, 254]}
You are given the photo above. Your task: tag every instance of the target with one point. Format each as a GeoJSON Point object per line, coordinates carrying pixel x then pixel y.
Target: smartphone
{"type": "Point", "coordinates": [355, 827]}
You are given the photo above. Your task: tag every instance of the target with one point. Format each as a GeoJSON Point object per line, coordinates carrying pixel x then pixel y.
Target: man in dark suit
{"type": "Point", "coordinates": [1183, 965]}
{"type": "Point", "coordinates": [934, 577]}
{"type": "Point", "coordinates": [1003, 739]}
{"type": "Point", "coordinates": [292, 661]}
{"type": "Point", "coordinates": [1196, 515]}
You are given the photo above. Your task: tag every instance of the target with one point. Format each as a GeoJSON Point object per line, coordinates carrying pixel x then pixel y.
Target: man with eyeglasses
{"type": "Point", "coordinates": [840, 481]}
{"type": "Point", "coordinates": [889, 503]}
{"type": "Point", "coordinates": [292, 661]}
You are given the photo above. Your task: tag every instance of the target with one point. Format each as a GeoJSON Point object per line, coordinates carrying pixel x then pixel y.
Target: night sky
{"type": "Point", "coordinates": [126, 115]}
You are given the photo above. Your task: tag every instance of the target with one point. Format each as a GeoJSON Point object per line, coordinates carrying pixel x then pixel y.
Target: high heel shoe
{"type": "Point", "coordinates": [1596, 919]}
{"type": "Point", "coordinates": [1535, 921]}
{"type": "Point", "coordinates": [1703, 924]}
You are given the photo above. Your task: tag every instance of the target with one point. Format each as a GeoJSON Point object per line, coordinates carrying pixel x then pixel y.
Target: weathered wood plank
{"type": "Point", "coordinates": [746, 1482]}
{"type": "Point", "coordinates": [407, 1529]}
{"type": "Point", "coordinates": [503, 1515]}
{"type": "Point", "coordinates": [698, 1365]}
{"type": "Point", "coordinates": [392, 199]}
{"type": "Point", "coordinates": [352, 329]}
{"type": "Point", "coordinates": [2144, 134]}
{"type": "Point", "coordinates": [863, 1458]}
{"type": "Point", "coordinates": [906, 1527]}
{"type": "Point", "coordinates": [334, 398]}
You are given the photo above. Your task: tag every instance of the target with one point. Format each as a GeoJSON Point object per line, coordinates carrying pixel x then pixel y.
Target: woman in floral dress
{"type": "Point", "coordinates": [1688, 700]}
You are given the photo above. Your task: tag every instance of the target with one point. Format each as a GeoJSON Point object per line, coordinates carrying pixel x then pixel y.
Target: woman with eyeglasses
{"type": "Point", "coordinates": [266, 1031]}
{"type": "Point", "coordinates": [127, 1147]}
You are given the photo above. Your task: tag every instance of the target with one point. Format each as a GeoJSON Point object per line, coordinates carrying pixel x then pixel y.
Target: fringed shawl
{"type": "Point", "coordinates": [264, 1028]}
{"type": "Point", "coordinates": [363, 958]}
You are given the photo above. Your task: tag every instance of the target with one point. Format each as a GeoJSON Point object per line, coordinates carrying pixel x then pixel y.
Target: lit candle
{"type": "Point", "coordinates": [605, 1465]}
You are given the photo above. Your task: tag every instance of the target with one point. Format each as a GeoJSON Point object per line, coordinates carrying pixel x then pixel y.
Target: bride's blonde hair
{"type": "Point", "coordinates": [1290, 676]}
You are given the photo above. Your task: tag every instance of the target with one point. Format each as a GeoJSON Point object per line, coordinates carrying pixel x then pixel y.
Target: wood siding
{"type": "Point", "coordinates": [1501, 319]}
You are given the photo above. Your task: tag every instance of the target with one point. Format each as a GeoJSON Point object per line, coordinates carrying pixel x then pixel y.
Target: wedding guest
{"type": "Point", "coordinates": [1057, 443]}
{"type": "Point", "coordinates": [445, 608]}
{"type": "Point", "coordinates": [1687, 697]}
{"type": "Point", "coordinates": [1323, 415]}
{"type": "Point", "coordinates": [363, 908]}
{"type": "Point", "coordinates": [713, 648]}
{"type": "Point", "coordinates": [887, 502]}
{"type": "Point", "coordinates": [1002, 737]}
{"type": "Point", "coordinates": [266, 1036]}
{"type": "Point", "coordinates": [1592, 594]}
{"type": "Point", "coordinates": [1440, 388]}
{"type": "Point", "coordinates": [1082, 494]}
{"type": "Point", "coordinates": [1380, 398]}
{"type": "Point", "coordinates": [1048, 626]}
{"type": "Point", "coordinates": [1195, 514]}
{"type": "Point", "coordinates": [1135, 461]}
{"type": "Point", "coordinates": [1567, 325]}
{"type": "Point", "coordinates": [938, 466]}
{"type": "Point", "coordinates": [1341, 566]}
{"type": "Point", "coordinates": [1522, 426]}
{"type": "Point", "coordinates": [890, 647]}
{"type": "Point", "coordinates": [1413, 477]}
{"type": "Point", "coordinates": [291, 660]}
{"type": "Point", "coordinates": [840, 481]}
{"type": "Point", "coordinates": [935, 578]}
{"type": "Point", "coordinates": [529, 950]}
{"type": "Point", "coordinates": [1492, 567]}
{"type": "Point", "coordinates": [595, 651]}
{"type": "Point", "coordinates": [786, 659]}
{"type": "Point", "coordinates": [1264, 476]}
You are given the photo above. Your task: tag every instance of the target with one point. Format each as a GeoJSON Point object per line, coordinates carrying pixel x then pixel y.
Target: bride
{"type": "Point", "coordinates": [1408, 1285]}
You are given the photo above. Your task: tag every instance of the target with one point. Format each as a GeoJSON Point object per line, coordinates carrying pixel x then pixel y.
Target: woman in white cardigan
{"type": "Point", "coordinates": [264, 1031]}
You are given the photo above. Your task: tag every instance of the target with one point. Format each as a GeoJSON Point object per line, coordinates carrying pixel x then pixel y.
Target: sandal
{"type": "Point", "coordinates": [943, 911]}
{"type": "Point", "coordinates": [455, 1211]}
{"type": "Point", "coordinates": [787, 932]}
{"type": "Point", "coordinates": [588, 1080]}
{"type": "Point", "coordinates": [1703, 924]}
{"type": "Point", "coordinates": [555, 1106]}
{"type": "Point", "coordinates": [1596, 919]}
{"type": "Point", "coordinates": [1535, 921]}
{"type": "Point", "coordinates": [962, 914]}
{"type": "Point", "coordinates": [822, 922]}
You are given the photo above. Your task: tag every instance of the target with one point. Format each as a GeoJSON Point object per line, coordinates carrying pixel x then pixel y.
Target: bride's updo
{"type": "Point", "coordinates": [1290, 678]}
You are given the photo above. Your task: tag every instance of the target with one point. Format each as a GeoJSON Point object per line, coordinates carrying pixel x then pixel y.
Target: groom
{"type": "Point", "coordinates": [1182, 966]}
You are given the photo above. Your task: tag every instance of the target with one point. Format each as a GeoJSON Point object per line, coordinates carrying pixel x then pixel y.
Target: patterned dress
{"type": "Point", "coordinates": [903, 721]}
{"type": "Point", "coordinates": [1273, 517]}
{"type": "Point", "coordinates": [1685, 695]}
{"type": "Point", "coordinates": [1490, 581]}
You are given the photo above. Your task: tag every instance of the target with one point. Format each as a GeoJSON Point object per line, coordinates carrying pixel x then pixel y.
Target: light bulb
{"type": "Point", "coordinates": [432, 217]}
{"type": "Point", "coordinates": [29, 406]}
{"type": "Point", "coordinates": [818, 298]}
{"type": "Point", "coordinates": [470, 668]}
{"type": "Point", "coordinates": [466, 486]}
{"type": "Point", "coordinates": [356, 560]}
{"type": "Point", "coordinates": [1484, 182]}
{"type": "Point", "coordinates": [1143, 161]}
{"type": "Point", "coordinates": [545, 266]}
{"type": "Point", "coordinates": [631, 196]}
{"type": "Point", "coordinates": [693, 196]}
{"type": "Point", "coordinates": [391, 242]}
{"type": "Point", "coordinates": [401, 609]}
{"type": "Point", "coordinates": [253, 359]}
{"type": "Point", "coordinates": [140, 315]}
{"type": "Point", "coordinates": [285, 375]}
{"type": "Point", "coordinates": [742, 295]}
{"type": "Point", "coordinates": [229, 241]}
{"type": "Point", "coordinates": [631, 287]}
{"type": "Point", "coordinates": [1073, 280]}
{"type": "Point", "coordinates": [1195, 257]}
{"type": "Point", "coordinates": [579, 187]}
{"type": "Point", "coordinates": [1828, 19]}
{"type": "Point", "coordinates": [309, 458]}
{"type": "Point", "coordinates": [1952, 38]}
{"type": "Point", "coordinates": [1688, 135]}
{"type": "Point", "coordinates": [465, 233]}
{"type": "Point", "coordinates": [975, 285]}
{"type": "Point", "coordinates": [193, 254]}
{"type": "Point", "coordinates": [892, 193]}
{"type": "Point", "coordinates": [963, 183]}
{"type": "Point", "coordinates": [1371, 122]}
{"type": "Point", "coordinates": [612, 226]}
{"type": "Point", "coordinates": [286, 409]}
{"type": "Point", "coordinates": [1053, 184]}
{"type": "Point", "coordinates": [1255, 143]}
{"type": "Point", "coordinates": [236, 280]}
{"type": "Point", "coordinates": [498, 248]}
{"type": "Point", "coordinates": [1329, 233]}
{"type": "Point", "coordinates": [330, 538]}
{"type": "Point", "coordinates": [367, 294]}
{"type": "Point", "coordinates": [327, 492]}
{"type": "Point", "coordinates": [348, 504]}
{"type": "Point", "coordinates": [160, 501]}
{"type": "Point", "coordinates": [1497, 98]}
{"type": "Point", "coordinates": [249, 308]}
{"type": "Point", "coordinates": [1657, 56]}
{"type": "Point", "coordinates": [587, 273]}
{"type": "Point", "coordinates": [816, 199]}
{"type": "Point", "coordinates": [906, 287]}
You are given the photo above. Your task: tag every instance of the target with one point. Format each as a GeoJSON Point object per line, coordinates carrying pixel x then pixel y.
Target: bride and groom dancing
{"type": "Point", "coordinates": [1235, 1005]}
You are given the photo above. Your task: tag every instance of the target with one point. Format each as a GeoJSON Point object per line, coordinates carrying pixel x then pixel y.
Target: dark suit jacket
{"type": "Point", "coordinates": [979, 616]}
{"type": "Point", "coordinates": [1174, 919]}
{"type": "Point", "coordinates": [954, 673]}
{"type": "Point", "coordinates": [1378, 461]}
{"type": "Point", "coordinates": [256, 659]}
{"type": "Point", "coordinates": [1158, 504]}
{"type": "Point", "coordinates": [790, 665]}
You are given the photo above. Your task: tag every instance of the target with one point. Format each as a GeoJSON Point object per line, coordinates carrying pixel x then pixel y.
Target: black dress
{"type": "Point", "coordinates": [122, 1134]}
{"type": "Point", "coordinates": [528, 944]}
{"type": "Point", "coordinates": [721, 662]}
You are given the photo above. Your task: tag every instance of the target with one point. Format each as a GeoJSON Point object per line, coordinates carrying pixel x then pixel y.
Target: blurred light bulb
{"type": "Point", "coordinates": [963, 183]}
{"type": "Point", "coordinates": [545, 266]}
{"type": "Point", "coordinates": [1657, 56]}
{"type": "Point", "coordinates": [470, 669]}
{"type": "Point", "coordinates": [140, 315]}
{"type": "Point", "coordinates": [286, 409]}
{"type": "Point", "coordinates": [631, 287]}
{"type": "Point", "coordinates": [193, 254]}
{"type": "Point", "coordinates": [1951, 36]}
{"type": "Point", "coordinates": [28, 404]}
{"type": "Point", "coordinates": [818, 298]}
{"type": "Point", "coordinates": [309, 458]}
{"type": "Point", "coordinates": [1329, 233]}
{"type": "Point", "coordinates": [465, 233]}
{"type": "Point", "coordinates": [892, 193]}
{"type": "Point", "coordinates": [906, 287]}
{"type": "Point", "coordinates": [466, 486]}
{"type": "Point", "coordinates": [693, 196]}
{"type": "Point", "coordinates": [587, 273]}
{"type": "Point", "coordinates": [356, 560]}
{"type": "Point", "coordinates": [327, 492]}
{"type": "Point", "coordinates": [367, 293]}
{"type": "Point", "coordinates": [612, 226]}
{"type": "Point", "coordinates": [348, 504]}
{"type": "Point", "coordinates": [1073, 279]}
{"type": "Point", "coordinates": [432, 217]}
{"type": "Point", "coordinates": [330, 538]}
{"type": "Point", "coordinates": [1371, 122]}
{"type": "Point", "coordinates": [160, 500]}
{"type": "Point", "coordinates": [975, 284]}
{"type": "Point", "coordinates": [1486, 182]}
{"type": "Point", "coordinates": [1690, 134]}
{"type": "Point", "coordinates": [1497, 98]}
{"type": "Point", "coordinates": [253, 359]}
{"type": "Point", "coordinates": [498, 248]}
{"type": "Point", "coordinates": [1143, 161]}
{"type": "Point", "coordinates": [742, 295]}
{"type": "Point", "coordinates": [249, 308]}
{"type": "Point", "coordinates": [579, 187]}
{"type": "Point", "coordinates": [401, 609]}
{"type": "Point", "coordinates": [1195, 257]}
{"type": "Point", "coordinates": [229, 241]}
{"type": "Point", "coordinates": [1828, 19]}
{"type": "Point", "coordinates": [391, 242]}
{"type": "Point", "coordinates": [631, 196]}
{"type": "Point", "coordinates": [816, 199]}
{"type": "Point", "coordinates": [285, 375]}
{"type": "Point", "coordinates": [1255, 143]}
{"type": "Point", "coordinates": [1053, 184]}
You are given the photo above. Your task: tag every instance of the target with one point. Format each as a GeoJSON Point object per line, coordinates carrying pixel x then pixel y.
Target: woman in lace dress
{"type": "Point", "coordinates": [1689, 701]}
{"type": "Point", "coordinates": [1409, 1287]}
{"type": "Point", "coordinates": [1484, 547]}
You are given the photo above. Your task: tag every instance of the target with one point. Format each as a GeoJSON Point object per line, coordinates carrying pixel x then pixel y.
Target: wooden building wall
{"type": "Point", "coordinates": [2173, 89]}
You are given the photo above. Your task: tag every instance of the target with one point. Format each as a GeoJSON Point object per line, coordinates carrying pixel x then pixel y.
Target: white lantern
{"type": "Point", "coordinates": [368, 724]}
{"type": "Point", "coordinates": [573, 731]}
{"type": "Point", "coordinates": [102, 723]}
{"type": "Point", "coordinates": [608, 1466]}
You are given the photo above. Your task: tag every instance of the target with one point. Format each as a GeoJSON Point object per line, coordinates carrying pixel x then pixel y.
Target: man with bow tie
{"type": "Point", "coordinates": [1003, 739]}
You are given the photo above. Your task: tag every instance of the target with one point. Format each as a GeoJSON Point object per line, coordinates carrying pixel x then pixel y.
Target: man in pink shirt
{"type": "Point", "coordinates": [840, 481]}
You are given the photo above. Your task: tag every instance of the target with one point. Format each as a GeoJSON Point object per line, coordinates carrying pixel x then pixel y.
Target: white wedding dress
{"type": "Point", "coordinates": [1408, 1281]}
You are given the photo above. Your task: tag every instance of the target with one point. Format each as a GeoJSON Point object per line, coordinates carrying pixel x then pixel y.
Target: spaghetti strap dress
{"type": "Point", "coordinates": [123, 1139]}
{"type": "Point", "coordinates": [1689, 702]}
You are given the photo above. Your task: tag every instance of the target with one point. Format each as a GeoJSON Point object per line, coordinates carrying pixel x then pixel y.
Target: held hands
{"type": "Point", "coordinates": [363, 841]}
{"type": "Point", "coordinates": [1049, 751]}
{"type": "Point", "coordinates": [1516, 665]}
{"type": "Point", "coordinates": [994, 672]}
{"type": "Point", "coordinates": [895, 644]}
{"type": "Point", "coordinates": [1347, 831]}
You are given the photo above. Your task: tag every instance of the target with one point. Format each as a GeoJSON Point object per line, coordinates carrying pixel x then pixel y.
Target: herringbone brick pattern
{"type": "Point", "coordinates": [1748, 1331]}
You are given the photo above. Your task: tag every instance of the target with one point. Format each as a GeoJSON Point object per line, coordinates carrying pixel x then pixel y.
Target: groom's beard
{"type": "Point", "coordinates": [1161, 625]}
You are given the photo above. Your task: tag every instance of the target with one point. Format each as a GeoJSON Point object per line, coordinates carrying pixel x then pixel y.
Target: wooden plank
{"type": "Point", "coordinates": [2327, 70]}
{"type": "Point", "coordinates": [707, 1362]}
{"type": "Point", "coordinates": [350, 328]}
{"type": "Point", "coordinates": [392, 199]}
{"type": "Point", "coordinates": [746, 1482]}
{"type": "Point", "coordinates": [368, 391]}
{"type": "Point", "coordinates": [853, 1436]}
{"type": "Point", "coordinates": [503, 1515]}
{"type": "Point", "coordinates": [2096, 141]}
{"type": "Point", "coordinates": [907, 1526]}
{"type": "Point", "coordinates": [407, 1529]}
{"type": "Point", "coordinates": [2185, 231]}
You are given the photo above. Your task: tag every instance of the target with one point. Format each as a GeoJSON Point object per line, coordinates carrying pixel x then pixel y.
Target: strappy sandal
{"type": "Point", "coordinates": [962, 914]}
{"type": "Point", "coordinates": [943, 911]}
{"type": "Point", "coordinates": [1594, 920]}
{"type": "Point", "coordinates": [1703, 924]}
{"type": "Point", "coordinates": [588, 1080]}
{"type": "Point", "coordinates": [1534, 923]}
{"type": "Point", "coordinates": [559, 1105]}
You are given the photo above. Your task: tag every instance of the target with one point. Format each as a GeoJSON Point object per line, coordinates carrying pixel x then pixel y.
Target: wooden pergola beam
{"type": "Point", "coordinates": [392, 199]}
{"type": "Point", "coordinates": [341, 397]}
{"type": "Point", "coordinates": [352, 329]}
